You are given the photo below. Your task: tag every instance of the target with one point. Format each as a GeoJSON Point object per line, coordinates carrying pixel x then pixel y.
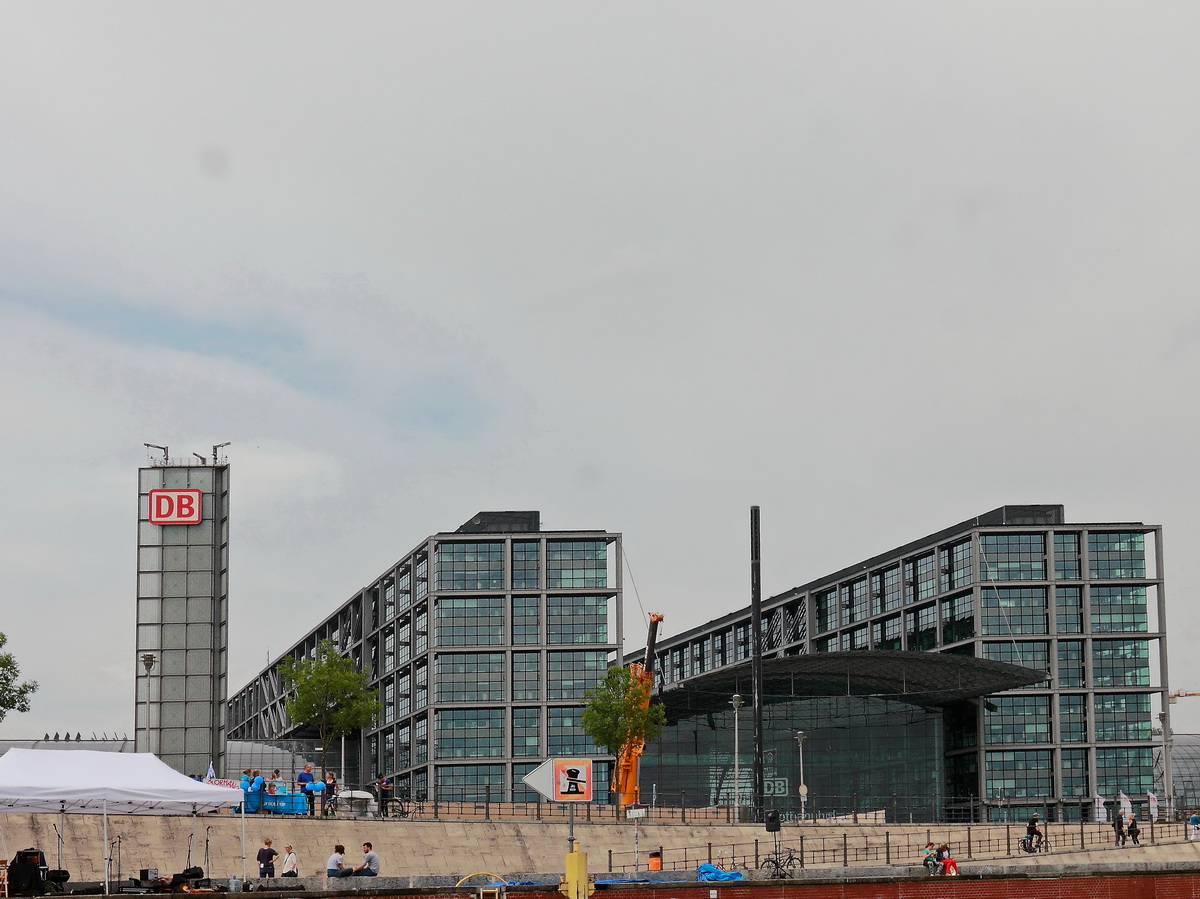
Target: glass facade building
{"type": "Point", "coordinates": [1082, 605]}
{"type": "Point", "coordinates": [481, 643]}
{"type": "Point", "coordinates": [182, 614]}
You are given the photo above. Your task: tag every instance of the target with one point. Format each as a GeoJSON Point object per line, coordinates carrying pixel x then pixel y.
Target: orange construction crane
{"type": "Point", "coordinates": [626, 779]}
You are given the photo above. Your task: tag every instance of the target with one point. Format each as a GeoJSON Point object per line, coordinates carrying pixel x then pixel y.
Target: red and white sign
{"type": "Point", "coordinates": [175, 506]}
{"type": "Point", "coordinates": [562, 780]}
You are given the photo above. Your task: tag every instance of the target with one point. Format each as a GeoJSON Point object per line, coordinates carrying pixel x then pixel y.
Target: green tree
{"type": "Point", "coordinates": [14, 696]}
{"type": "Point", "coordinates": [618, 711]}
{"type": "Point", "coordinates": [328, 693]}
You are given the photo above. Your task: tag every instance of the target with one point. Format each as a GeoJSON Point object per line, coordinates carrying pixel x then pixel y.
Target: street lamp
{"type": "Point", "coordinates": [148, 660]}
{"type": "Point", "coordinates": [803, 785]}
{"type": "Point", "coordinates": [737, 703]}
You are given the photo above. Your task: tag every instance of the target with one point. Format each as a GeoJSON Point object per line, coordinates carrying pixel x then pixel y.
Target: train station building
{"type": "Point", "coordinates": [1008, 663]}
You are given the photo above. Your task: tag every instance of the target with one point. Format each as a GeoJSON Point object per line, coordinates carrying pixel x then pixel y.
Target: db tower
{"type": "Point", "coordinates": [182, 610]}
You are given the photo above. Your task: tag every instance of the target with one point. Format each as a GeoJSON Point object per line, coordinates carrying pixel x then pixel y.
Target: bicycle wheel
{"type": "Point", "coordinates": [769, 864]}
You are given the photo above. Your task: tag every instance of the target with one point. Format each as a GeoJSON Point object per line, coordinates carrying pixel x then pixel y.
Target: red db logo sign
{"type": "Point", "coordinates": [175, 506]}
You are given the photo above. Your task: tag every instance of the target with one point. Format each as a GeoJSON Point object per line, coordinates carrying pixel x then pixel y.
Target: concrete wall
{"type": "Point", "coordinates": [458, 848]}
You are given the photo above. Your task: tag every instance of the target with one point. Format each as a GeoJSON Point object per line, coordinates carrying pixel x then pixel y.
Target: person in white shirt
{"type": "Point", "coordinates": [291, 864]}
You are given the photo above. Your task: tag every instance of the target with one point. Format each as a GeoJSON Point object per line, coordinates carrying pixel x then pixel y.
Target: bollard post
{"type": "Point", "coordinates": [610, 870]}
{"type": "Point", "coordinates": [683, 808]}
{"type": "Point", "coordinates": [538, 810]}
{"type": "Point", "coordinates": [756, 852]}
{"type": "Point", "coordinates": [845, 851]}
{"type": "Point", "coordinates": [487, 802]}
{"type": "Point", "coordinates": [1008, 839]}
{"type": "Point", "coordinates": [801, 850]}
{"type": "Point", "coordinates": [710, 853]}
{"type": "Point", "coordinates": [968, 841]}
{"type": "Point", "coordinates": [887, 847]}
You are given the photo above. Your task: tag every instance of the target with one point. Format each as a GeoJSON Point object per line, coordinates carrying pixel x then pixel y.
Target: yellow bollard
{"type": "Point", "coordinates": [576, 884]}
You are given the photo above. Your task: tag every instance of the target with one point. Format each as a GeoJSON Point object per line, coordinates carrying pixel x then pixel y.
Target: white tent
{"type": "Point", "coordinates": [116, 783]}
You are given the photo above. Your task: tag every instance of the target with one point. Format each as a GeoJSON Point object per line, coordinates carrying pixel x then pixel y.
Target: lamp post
{"type": "Point", "coordinates": [803, 786]}
{"type": "Point", "coordinates": [736, 702]}
{"type": "Point", "coordinates": [148, 660]}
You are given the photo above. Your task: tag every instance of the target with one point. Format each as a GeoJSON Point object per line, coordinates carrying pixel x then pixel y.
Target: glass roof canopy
{"type": "Point", "coordinates": [919, 678]}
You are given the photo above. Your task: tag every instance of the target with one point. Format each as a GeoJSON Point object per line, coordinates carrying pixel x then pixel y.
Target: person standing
{"type": "Point", "coordinates": [370, 865]}
{"type": "Point", "coordinates": [384, 790]}
{"type": "Point", "coordinates": [1194, 821]}
{"type": "Point", "coordinates": [304, 782]}
{"type": "Point", "coordinates": [330, 794]}
{"type": "Point", "coordinates": [291, 865]}
{"type": "Point", "coordinates": [1132, 830]}
{"type": "Point", "coordinates": [266, 860]}
{"type": "Point", "coordinates": [1119, 829]}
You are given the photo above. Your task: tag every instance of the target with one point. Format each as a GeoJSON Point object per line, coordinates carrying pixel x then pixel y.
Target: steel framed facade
{"type": "Point", "coordinates": [480, 643]}
{"type": "Point", "coordinates": [1083, 603]}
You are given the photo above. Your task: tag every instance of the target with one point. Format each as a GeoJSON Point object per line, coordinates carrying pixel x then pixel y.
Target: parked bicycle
{"type": "Point", "coordinates": [405, 807]}
{"type": "Point", "coordinates": [780, 864]}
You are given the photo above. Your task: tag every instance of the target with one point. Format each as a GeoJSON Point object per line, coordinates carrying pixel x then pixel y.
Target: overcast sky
{"type": "Point", "coordinates": [876, 267]}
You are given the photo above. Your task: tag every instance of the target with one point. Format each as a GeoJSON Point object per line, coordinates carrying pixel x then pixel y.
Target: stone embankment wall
{"type": "Point", "coordinates": [453, 849]}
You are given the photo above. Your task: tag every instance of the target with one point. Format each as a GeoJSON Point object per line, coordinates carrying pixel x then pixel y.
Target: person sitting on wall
{"type": "Point", "coordinates": [949, 865]}
{"type": "Point", "coordinates": [336, 865]}
{"type": "Point", "coordinates": [370, 865]}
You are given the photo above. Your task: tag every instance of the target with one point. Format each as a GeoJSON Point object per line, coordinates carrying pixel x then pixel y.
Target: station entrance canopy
{"type": "Point", "coordinates": [927, 679]}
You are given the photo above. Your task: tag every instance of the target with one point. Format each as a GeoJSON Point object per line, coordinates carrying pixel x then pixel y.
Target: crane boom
{"type": "Point", "coordinates": [626, 779]}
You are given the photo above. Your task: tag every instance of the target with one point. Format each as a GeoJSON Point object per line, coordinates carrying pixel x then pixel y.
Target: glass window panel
{"type": "Point", "coordinates": [470, 566]}
{"type": "Point", "coordinates": [1012, 557]}
{"type": "Point", "coordinates": [1070, 663]}
{"type": "Point", "coordinates": [1067, 565]}
{"type": "Point", "coordinates": [526, 677]}
{"type": "Point", "coordinates": [1017, 719]}
{"type": "Point", "coordinates": [470, 677]}
{"type": "Point", "coordinates": [1119, 609]}
{"type": "Point", "coordinates": [576, 564]}
{"type": "Point", "coordinates": [470, 621]}
{"type": "Point", "coordinates": [525, 556]}
{"type": "Point", "coordinates": [1120, 663]}
{"type": "Point", "coordinates": [1019, 774]}
{"type": "Point", "coordinates": [1072, 718]}
{"type": "Point", "coordinates": [958, 618]}
{"type": "Point", "coordinates": [565, 736]}
{"type": "Point", "coordinates": [526, 733]}
{"type": "Point", "coordinates": [1116, 555]}
{"type": "Point", "coordinates": [525, 621]}
{"type": "Point", "coordinates": [469, 733]}
{"type": "Point", "coordinates": [1122, 716]}
{"type": "Point", "coordinates": [468, 783]}
{"type": "Point", "coordinates": [1033, 654]}
{"type": "Point", "coordinates": [569, 674]}
{"type": "Point", "coordinates": [1013, 610]}
{"type": "Point", "coordinates": [577, 619]}
{"type": "Point", "coordinates": [1068, 603]}
{"type": "Point", "coordinates": [1127, 768]}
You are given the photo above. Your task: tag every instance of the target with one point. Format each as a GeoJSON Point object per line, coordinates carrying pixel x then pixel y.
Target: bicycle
{"type": "Point", "coordinates": [403, 807]}
{"type": "Point", "coordinates": [779, 864]}
{"type": "Point", "coordinates": [1032, 843]}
